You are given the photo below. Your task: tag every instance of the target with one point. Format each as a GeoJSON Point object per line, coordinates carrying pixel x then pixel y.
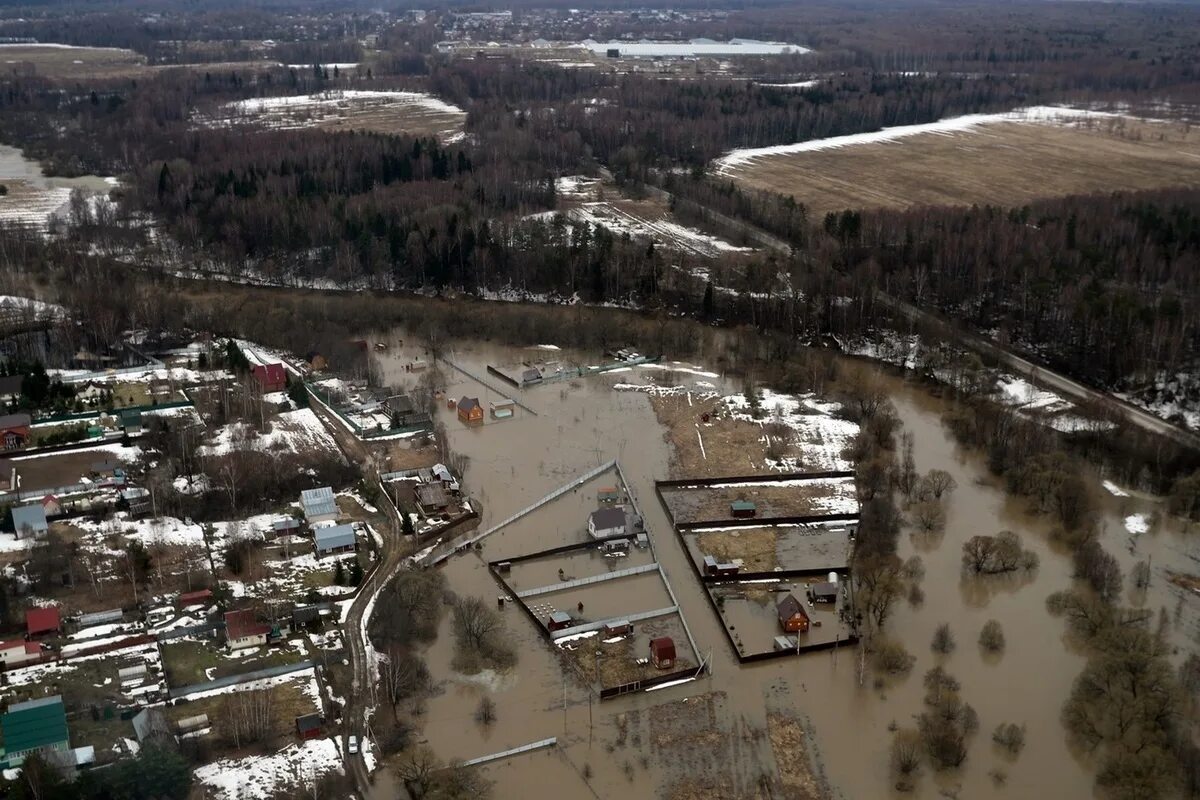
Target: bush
{"type": "Point", "coordinates": [991, 638]}
{"type": "Point", "coordinates": [1010, 736]}
{"type": "Point", "coordinates": [891, 658]}
{"type": "Point", "coordinates": [943, 640]}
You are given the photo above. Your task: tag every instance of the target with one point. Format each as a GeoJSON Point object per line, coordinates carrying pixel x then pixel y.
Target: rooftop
{"type": "Point", "coordinates": [33, 724]}
{"type": "Point", "coordinates": [334, 537]}
{"type": "Point", "coordinates": [608, 518]}
{"type": "Point", "coordinates": [42, 620]}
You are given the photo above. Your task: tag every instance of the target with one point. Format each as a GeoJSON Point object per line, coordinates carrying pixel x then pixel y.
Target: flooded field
{"type": "Point", "coordinates": [718, 735]}
{"type": "Point", "coordinates": [32, 198]}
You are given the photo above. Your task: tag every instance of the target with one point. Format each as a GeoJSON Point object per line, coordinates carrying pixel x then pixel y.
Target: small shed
{"type": "Point", "coordinates": [101, 617]}
{"type": "Point", "coordinates": [662, 652]}
{"type": "Point", "coordinates": [334, 539]}
{"type": "Point", "coordinates": [150, 722]}
{"type": "Point", "coordinates": [558, 620]}
{"type": "Point", "coordinates": [608, 494]}
{"type": "Point", "coordinates": [502, 409]}
{"type": "Point", "coordinates": [308, 726]}
{"type": "Point", "coordinates": [783, 643]}
{"type": "Point", "coordinates": [198, 597]}
{"type": "Point", "coordinates": [531, 375]}
{"type": "Point", "coordinates": [741, 509]}
{"type": "Point", "coordinates": [618, 627]}
{"type": "Point", "coordinates": [42, 620]}
{"type": "Point", "coordinates": [195, 723]}
{"type": "Point", "coordinates": [285, 526]}
{"type": "Point", "coordinates": [29, 521]}
{"type": "Point", "coordinates": [823, 592]}
{"type": "Point", "coordinates": [160, 388]}
{"type": "Point", "coordinates": [130, 421]}
{"type": "Point", "coordinates": [792, 616]}
{"type": "Point", "coordinates": [469, 410]}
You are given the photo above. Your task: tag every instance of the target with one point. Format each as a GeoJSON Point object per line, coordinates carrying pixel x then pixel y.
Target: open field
{"type": "Point", "coordinates": [772, 498]}
{"type": "Point", "coordinates": [414, 113]}
{"type": "Point", "coordinates": [61, 61]}
{"type": "Point", "coordinates": [1003, 162]}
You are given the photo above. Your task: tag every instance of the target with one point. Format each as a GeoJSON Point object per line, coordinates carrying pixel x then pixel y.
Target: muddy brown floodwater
{"type": "Point", "coordinates": [621, 744]}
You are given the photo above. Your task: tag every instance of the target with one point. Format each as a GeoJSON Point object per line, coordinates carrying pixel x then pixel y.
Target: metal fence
{"type": "Point", "coordinates": [246, 677]}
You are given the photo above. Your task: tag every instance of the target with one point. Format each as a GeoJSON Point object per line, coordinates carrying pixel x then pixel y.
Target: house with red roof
{"type": "Point", "coordinates": [270, 377]}
{"type": "Point", "coordinates": [42, 620]}
{"type": "Point", "coordinates": [15, 652]}
{"type": "Point", "coordinates": [242, 629]}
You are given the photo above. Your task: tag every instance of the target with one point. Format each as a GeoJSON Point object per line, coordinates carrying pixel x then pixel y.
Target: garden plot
{"type": "Point", "coordinates": [749, 613]}
{"type": "Point", "coordinates": [297, 431]}
{"type": "Point", "coordinates": [774, 548]}
{"type": "Point", "coordinates": [415, 113]}
{"type": "Point", "coordinates": [784, 498]}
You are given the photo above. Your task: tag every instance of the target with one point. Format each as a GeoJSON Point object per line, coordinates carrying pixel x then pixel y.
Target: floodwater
{"type": "Point", "coordinates": [584, 423]}
{"type": "Point", "coordinates": [33, 197]}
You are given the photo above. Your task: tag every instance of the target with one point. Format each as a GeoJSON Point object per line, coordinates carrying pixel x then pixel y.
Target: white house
{"type": "Point", "coordinates": [18, 651]}
{"type": "Point", "coordinates": [606, 522]}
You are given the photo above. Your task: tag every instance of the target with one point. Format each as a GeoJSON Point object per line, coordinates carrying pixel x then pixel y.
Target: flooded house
{"type": "Point", "coordinates": [502, 409]}
{"type": "Point", "coordinates": [530, 376]}
{"type": "Point", "coordinates": [469, 410]}
{"type": "Point", "coordinates": [719, 569]}
{"type": "Point", "coordinates": [609, 495]}
{"type": "Point", "coordinates": [558, 620]}
{"type": "Point", "coordinates": [604, 522]}
{"type": "Point", "coordinates": [792, 616]}
{"type": "Point", "coordinates": [824, 591]}
{"type": "Point", "coordinates": [662, 652]}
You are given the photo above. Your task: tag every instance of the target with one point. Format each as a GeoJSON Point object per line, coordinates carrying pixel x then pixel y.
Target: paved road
{"type": "Point", "coordinates": [391, 557]}
{"type": "Point", "coordinates": [1037, 373]}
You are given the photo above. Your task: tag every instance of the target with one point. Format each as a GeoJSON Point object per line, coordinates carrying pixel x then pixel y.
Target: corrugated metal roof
{"type": "Point", "coordinates": [318, 502]}
{"type": "Point", "coordinates": [33, 724]}
{"type": "Point", "coordinates": [34, 516]}
{"type": "Point", "coordinates": [334, 537]}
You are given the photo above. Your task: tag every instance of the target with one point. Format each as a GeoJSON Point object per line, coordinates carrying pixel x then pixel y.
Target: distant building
{"type": "Point", "coordinates": [42, 620]}
{"type": "Point", "coordinates": [14, 431]}
{"type": "Point", "coordinates": [34, 726]}
{"type": "Point", "coordinates": [319, 505]}
{"type": "Point", "coordinates": [29, 521]}
{"type": "Point", "coordinates": [242, 629]}
{"type": "Point", "coordinates": [662, 652]}
{"type": "Point", "coordinates": [16, 652]}
{"type": "Point", "coordinates": [606, 522]}
{"type": "Point", "coordinates": [469, 410]}
{"type": "Point", "coordinates": [270, 377]}
{"type": "Point", "coordinates": [792, 616]}
{"type": "Point", "coordinates": [334, 539]}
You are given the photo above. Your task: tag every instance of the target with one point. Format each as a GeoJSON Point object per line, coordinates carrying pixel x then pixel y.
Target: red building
{"type": "Point", "coordinates": [42, 620]}
{"type": "Point", "coordinates": [14, 431]}
{"type": "Point", "coordinates": [309, 726]}
{"type": "Point", "coordinates": [270, 377]}
{"type": "Point", "coordinates": [792, 616]}
{"type": "Point", "coordinates": [662, 652]}
{"type": "Point", "coordinates": [194, 598]}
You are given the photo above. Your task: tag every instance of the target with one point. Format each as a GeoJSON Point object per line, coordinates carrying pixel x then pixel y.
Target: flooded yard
{"type": "Point", "coordinates": [717, 735]}
{"type": "Point", "coordinates": [33, 198]}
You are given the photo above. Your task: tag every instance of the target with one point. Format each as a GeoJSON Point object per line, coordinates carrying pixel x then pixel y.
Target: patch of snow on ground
{"type": "Point", "coordinates": [1114, 490]}
{"type": "Point", "coordinates": [292, 431]}
{"type": "Point", "coordinates": [963, 124]}
{"type": "Point", "coordinates": [297, 766]}
{"type": "Point", "coordinates": [669, 234]}
{"type": "Point", "coordinates": [821, 436]}
{"type": "Point", "coordinates": [1137, 523]}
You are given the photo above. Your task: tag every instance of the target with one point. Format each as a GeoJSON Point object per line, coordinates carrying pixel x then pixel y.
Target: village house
{"type": "Point", "coordinates": [10, 388]}
{"type": "Point", "coordinates": [14, 431]}
{"type": "Point", "coordinates": [334, 539]}
{"type": "Point", "coordinates": [469, 410]}
{"type": "Point", "coordinates": [160, 389]}
{"type": "Point", "coordinates": [91, 394]}
{"type": "Point", "coordinates": [662, 652]}
{"type": "Point", "coordinates": [34, 726]}
{"type": "Point", "coordinates": [402, 410]}
{"type": "Point", "coordinates": [823, 592]}
{"type": "Point", "coordinates": [16, 652]}
{"type": "Point", "coordinates": [130, 420]}
{"type": "Point", "coordinates": [288, 526]}
{"type": "Point", "coordinates": [308, 726]}
{"type": "Point", "coordinates": [432, 496]}
{"type": "Point", "coordinates": [270, 377]}
{"type": "Point", "coordinates": [558, 620]}
{"type": "Point", "coordinates": [242, 629]}
{"type": "Point", "coordinates": [42, 620]}
{"type": "Point", "coordinates": [319, 505]}
{"type": "Point", "coordinates": [198, 597]}
{"type": "Point", "coordinates": [51, 505]}
{"type": "Point", "coordinates": [605, 522]}
{"type": "Point", "coordinates": [29, 521]}
{"type": "Point", "coordinates": [792, 616]}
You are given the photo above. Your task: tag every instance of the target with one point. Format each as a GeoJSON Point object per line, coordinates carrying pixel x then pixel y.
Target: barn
{"type": "Point", "coordinates": [662, 652]}
{"type": "Point", "coordinates": [792, 616]}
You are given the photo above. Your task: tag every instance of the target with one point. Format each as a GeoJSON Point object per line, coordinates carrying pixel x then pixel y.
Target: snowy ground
{"type": "Point", "coordinates": [297, 766]}
{"type": "Point", "coordinates": [647, 48]}
{"type": "Point", "coordinates": [821, 436]}
{"type": "Point", "coordinates": [953, 125]}
{"type": "Point", "coordinates": [292, 431]}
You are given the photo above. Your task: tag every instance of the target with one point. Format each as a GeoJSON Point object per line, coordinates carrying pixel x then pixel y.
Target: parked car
{"type": "Point", "coordinates": [352, 745]}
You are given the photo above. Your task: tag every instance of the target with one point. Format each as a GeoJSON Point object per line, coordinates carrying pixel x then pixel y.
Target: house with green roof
{"type": "Point", "coordinates": [33, 726]}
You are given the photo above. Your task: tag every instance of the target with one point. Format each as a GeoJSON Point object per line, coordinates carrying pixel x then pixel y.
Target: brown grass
{"type": "Point", "coordinates": [731, 446]}
{"type": "Point", "coordinates": [789, 741]}
{"type": "Point", "coordinates": [58, 62]}
{"type": "Point", "coordinates": [1005, 163]}
{"type": "Point", "coordinates": [754, 546]}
